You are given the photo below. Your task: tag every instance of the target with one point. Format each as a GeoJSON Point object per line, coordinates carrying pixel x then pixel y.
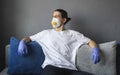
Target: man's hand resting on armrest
{"type": "Point", "coordinates": [95, 53]}
{"type": "Point", "coordinates": [22, 48]}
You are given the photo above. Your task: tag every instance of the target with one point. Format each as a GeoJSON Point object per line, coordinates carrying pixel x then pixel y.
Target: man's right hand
{"type": "Point", "coordinates": [22, 48]}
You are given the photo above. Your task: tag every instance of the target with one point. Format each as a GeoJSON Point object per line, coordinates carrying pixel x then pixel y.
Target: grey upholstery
{"type": "Point", "coordinates": [107, 66]}
{"type": "Point", "coordinates": [7, 49]}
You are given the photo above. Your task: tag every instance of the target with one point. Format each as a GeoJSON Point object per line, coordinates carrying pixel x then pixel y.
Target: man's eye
{"type": "Point", "coordinates": [54, 16]}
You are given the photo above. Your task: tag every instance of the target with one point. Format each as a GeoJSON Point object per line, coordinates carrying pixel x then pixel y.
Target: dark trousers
{"type": "Point", "coordinates": [52, 70]}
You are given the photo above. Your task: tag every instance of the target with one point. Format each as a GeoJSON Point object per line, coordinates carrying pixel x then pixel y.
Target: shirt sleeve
{"type": "Point", "coordinates": [39, 36]}
{"type": "Point", "coordinates": [35, 36]}
{"type": "Point", "coordinates": [82, 39]}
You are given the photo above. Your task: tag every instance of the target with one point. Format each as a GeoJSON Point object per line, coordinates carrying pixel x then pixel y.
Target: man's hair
{"type": "Point", "coordinates": [64, 14]}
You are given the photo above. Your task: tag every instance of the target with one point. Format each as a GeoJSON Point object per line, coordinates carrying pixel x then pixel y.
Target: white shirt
{"type": "Point", "coordinates": [60, 47]}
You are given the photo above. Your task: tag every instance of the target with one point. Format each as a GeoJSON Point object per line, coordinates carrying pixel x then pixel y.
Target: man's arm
{"type": "Point", "coordinates": [22, 48]}
{"type": "Point", "coordinates": [95, 53]}
{"type": "Point", "coordinates": [92, 44]}
{"type": "Point", "coordinates": [27, 39]}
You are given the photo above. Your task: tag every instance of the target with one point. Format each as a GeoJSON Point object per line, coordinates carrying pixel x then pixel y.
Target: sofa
{"type": "Point", "coordinates": [17, 65]}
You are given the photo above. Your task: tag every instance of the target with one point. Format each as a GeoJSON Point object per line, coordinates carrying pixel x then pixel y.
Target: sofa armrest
{"type": "Point", "coordinates": [7, 50]}
{"type": "Point", "coordinates": [107, 65]}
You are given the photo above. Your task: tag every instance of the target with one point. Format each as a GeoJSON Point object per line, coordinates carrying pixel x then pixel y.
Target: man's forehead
{"type": "Point", "coordinates": [56, 13]}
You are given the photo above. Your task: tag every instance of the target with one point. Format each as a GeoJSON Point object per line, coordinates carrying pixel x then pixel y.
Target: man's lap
{"type": "Point", "coordinates": [52, 70]}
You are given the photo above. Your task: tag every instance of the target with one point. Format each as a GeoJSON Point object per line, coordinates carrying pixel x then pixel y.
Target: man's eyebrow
{"type": "Point", "coordinates": [55, 15]}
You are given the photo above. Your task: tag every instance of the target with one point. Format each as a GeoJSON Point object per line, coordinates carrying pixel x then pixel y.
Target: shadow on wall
{"type": "Point", "coordinates": [7, 26]}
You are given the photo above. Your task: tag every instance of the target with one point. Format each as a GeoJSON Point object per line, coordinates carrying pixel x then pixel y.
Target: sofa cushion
{"type": "Point", "coordinates": [107, 65]}
{"type": "Point", "coordinates": [30, 64]}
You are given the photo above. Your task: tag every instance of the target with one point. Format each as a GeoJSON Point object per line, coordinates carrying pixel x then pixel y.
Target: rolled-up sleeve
{"type": "Point", "coordinates": [83, 39]}
{"type": "Point", "coordinates": [35, 37]}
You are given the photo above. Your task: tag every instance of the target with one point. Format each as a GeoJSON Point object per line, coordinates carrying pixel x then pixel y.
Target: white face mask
{"type": "Point", "coordinates": [55, 23]}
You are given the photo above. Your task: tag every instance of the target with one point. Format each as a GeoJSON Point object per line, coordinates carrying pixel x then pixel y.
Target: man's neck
{"type": "Point", "coordinates": [61, 28]}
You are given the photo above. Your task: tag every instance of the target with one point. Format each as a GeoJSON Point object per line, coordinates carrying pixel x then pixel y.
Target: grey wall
{"type": "Point", "coordinates": [97, 19]}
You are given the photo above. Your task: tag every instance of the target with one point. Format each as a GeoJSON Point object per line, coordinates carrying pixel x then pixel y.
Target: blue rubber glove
{"type": "Point", "coordinates": [96, 55]}
{"type": "Point", "coordinates": [22, 48]}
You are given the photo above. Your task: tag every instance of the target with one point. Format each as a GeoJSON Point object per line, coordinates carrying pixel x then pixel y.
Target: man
{"type": "Point", "coordinates": [60, 46]}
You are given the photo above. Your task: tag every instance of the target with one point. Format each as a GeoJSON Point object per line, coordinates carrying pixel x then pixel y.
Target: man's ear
{"type": "Point", "coordinates": [64, 20]}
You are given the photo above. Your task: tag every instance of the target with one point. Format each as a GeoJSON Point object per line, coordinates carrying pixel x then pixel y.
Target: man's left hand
{"type": "Point", "coordinates": [96, 55]}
